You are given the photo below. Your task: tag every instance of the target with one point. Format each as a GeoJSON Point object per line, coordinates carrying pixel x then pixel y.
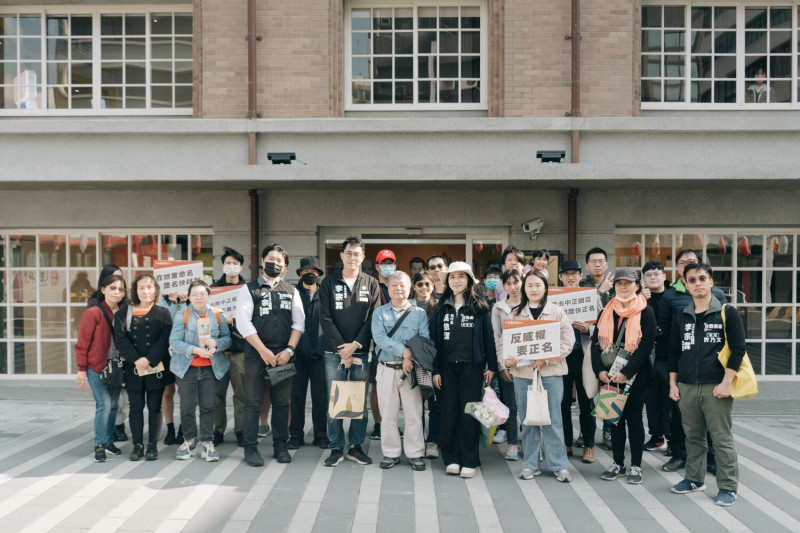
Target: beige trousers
{"type": "Point", "coordinates": [390, 397]}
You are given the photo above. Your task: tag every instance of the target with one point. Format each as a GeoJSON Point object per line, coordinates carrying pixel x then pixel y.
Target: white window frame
{"type": "Point", "coordinates": [741, 82]}
{"type": "Point", "coordinates": [69, 340]}
{"type": "Point", "coordinates": [96, 12]}
{"type": "Point", "coordinates": [415, 4]}
{"type": "Point", "coordinates": [737, 233]}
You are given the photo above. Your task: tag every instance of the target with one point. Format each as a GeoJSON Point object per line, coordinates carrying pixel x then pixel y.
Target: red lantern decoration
{"type": "Point", "coordinates": [657, 245]}
{"type": "Point", "coordinates": [479, 246]}
{"type": "Point", "coordinates": [744, 246]}
{"type": "Point", "coordinates": [776, 244]}
{"type": "Point", "coordinates": [723, 246]}
{"type": "Point", "coordinates": [636, 249]}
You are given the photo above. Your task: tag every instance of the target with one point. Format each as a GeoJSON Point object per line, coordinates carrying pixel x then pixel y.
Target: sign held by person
{"type": "Point", "coordinates": [531, 339]}
{"type": "Point", "coordinates": [174, 276]}
{"type": "Point", "coordinates": [579, 303]}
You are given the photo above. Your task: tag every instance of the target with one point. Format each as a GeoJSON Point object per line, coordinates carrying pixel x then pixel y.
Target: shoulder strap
{"type": "Point", "coordinates": [724, 326]}
{"type": "Point", "coordinates": [108, 321]}
{"type": "Point", "coordinates": [188, 310]}
{"type": "Point", "coordinates": [621, 333]}
{"type": "Point", "coordinates": [400, 321]}
{"type": "Point", "coordinates": [129, 318]}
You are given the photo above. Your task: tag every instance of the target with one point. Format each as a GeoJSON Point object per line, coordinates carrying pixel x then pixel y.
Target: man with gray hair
{"type": "Point", "coordinates": [394, 369]}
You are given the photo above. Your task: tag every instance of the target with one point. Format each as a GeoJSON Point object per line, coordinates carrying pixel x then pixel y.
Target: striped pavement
{"type": "Point", "coordinates": [48, 482]}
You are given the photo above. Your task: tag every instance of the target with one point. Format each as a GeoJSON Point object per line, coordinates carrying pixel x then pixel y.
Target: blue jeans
{"type": "Point", "coordinates": [555, 453]}
{"type": "Point", "coordinates": [105, 412]}
{"type": "Point", "coordinates": [335, 371]}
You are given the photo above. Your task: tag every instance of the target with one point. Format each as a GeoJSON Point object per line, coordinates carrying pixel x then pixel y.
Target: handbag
{"type": "Point", "coordinates": [158, 369]}
{"type": "Point", "coordinates": [347, 400]}
{"type": "Point", "coordinates": [279, 374]}
{"type": "Point", "coordinates": [537, 412]}
{"type": "Point", "coordinates": [610, 356]}
{"type": "Point", "coordinates": [590, 382]}
{"type": "Point", "coordinates": [744, 385]}
{"type": "Point", "coordinates": [112, 376]}
{"type": "Point", "coordinates": [611, 402]}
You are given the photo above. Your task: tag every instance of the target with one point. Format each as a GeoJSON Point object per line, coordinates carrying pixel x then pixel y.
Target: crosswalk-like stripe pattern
{"type": "Point", "coordinates": [48, 482]}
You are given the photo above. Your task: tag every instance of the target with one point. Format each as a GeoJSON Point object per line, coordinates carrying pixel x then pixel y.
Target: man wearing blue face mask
{"type": "Point", "coordinates": [491, 282]}
{"type": "Point", "coordinates": [385, 265]}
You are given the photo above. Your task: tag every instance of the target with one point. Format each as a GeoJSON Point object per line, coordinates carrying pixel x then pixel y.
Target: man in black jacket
{"type": "Point", "coordinates": [702, 386]}
{"type": "Point", "coordinates": [347, 299]}
{"type": "Point", "coordinates": [309, 362]}
{"type": "Point", "coordinates": [659, 406]}
{"type": "Point", "coordinates": [675, 299]}
{"type": "Point", "coordinates": [232, 263]}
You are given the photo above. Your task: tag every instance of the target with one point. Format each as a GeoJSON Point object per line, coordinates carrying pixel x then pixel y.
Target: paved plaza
{"type": "Point", "coordinates": [48, 482]}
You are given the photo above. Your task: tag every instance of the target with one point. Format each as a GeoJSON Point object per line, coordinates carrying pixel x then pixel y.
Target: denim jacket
{"type": "Point", "coordinates": [183, 339]}
{"type": "Point", "coordinates": [383, 320]}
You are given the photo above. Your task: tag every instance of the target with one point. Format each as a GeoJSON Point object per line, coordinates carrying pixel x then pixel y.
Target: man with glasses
{"type": "Point", "coordinates": [436, 264]}
{"type": "Point", "coordinates": [347, 300]}
{"type": "Point", "coordinates": [675, 299]}
{"type": "Point", "coordinates": [597, 265]}
{"type": "Point", "coordinates": [700, 384]}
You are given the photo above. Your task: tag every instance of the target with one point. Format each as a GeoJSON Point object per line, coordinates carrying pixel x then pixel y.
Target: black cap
{"type": "Point", "coordinates": [310, 262]}
{"type": "Point", "coordinates": [569, 264]}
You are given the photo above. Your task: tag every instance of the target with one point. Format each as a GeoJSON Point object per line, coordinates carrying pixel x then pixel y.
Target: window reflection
{"type": "Point", "coordinates": [778, 358]}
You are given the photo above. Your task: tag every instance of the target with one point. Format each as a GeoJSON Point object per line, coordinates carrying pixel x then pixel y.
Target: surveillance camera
{"type": "Point", "coordinates": [533, 226]}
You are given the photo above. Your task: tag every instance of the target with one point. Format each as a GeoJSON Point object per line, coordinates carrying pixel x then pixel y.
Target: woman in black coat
{"type": "Point", "coordinates": [142, 333]}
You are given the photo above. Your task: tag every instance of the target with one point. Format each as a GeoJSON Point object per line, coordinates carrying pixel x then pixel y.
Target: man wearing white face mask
{"type": "Point", "coordinates": [232, 262]}
{"type": "Point", "coordinates": [385, 264]}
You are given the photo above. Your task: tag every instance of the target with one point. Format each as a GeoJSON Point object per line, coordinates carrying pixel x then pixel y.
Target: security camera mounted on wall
{"type": "Point", "coordinates": [533, 227]}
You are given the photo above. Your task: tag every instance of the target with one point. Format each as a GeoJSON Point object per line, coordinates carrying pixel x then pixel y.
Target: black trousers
{"type": "Point", "coordinates": [460, 432]}
{"type": "Point", "coordinates": [659, 406]}
{"type": "Point", "coordinates": [309, 370]}
{"type": "Point", "coordinates": [588, 423]}
{"type": "Point", "coordinates": [254, 388]}
{"type": "Point", "coordinates": [137, 401]}
{"type": "Point", "coordinates": [632, 418]}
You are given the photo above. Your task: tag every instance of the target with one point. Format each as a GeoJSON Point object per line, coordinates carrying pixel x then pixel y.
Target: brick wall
{"type": "Point", "coordinates": [536, 71]}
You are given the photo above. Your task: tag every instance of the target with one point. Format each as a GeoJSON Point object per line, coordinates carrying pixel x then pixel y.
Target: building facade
{"type": "Point", "coordinates": [129, 133]}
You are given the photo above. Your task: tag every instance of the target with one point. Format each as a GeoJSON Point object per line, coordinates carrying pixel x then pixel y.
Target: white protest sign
{"type": "Point", "coordinates": [224, 298]}
{"type": "Point", "coordinates": [531, 339]}
{"type": "Point", "coordinates": [579, 303]}
{"type": "Point", "coordinates": [176, 275]}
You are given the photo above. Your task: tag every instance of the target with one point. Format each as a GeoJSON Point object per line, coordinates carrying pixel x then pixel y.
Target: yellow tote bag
{"type": "Point", "coordinates": [744, 385]}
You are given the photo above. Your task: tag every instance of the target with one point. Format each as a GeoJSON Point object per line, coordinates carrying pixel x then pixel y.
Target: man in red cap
{"type": "Point", "coordinates": [385, 264]}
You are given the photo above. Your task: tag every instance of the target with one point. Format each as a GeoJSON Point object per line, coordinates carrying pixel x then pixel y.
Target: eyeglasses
{"type": "Point", "coordinates": [199, 294]}
{"type": "Point", "coordinates": [353, 255]}
{"type": "Point", "coordinates": [597, 261]}
{"type": "Point", "coordinates": [116, 289]}
{"type": "Point", "coordinates": [701, 278]}
{"type": "Point", "coordinates": [686, 262]}
{"type": "Point", "coordinates": [437, 266]}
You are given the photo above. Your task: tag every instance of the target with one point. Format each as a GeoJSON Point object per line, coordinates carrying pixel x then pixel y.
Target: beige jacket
{"type": "Point", "coordinates": [502, 311]}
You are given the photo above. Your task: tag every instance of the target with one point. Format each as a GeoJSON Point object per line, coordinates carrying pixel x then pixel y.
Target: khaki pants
{"type": "Point", "coordinates": [390, 397]}
{"type": "Point", "coordinates": [701, 413]}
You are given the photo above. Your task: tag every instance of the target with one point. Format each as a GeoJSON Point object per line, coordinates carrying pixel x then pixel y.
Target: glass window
{"type": "Point", "coordinates": [754, 353]}
{"type": "Point", "coordinates": [3, 358]}
{"type": "Point", "coordinates": [628, 250]}
{"type": "Point", "coordinates": [23, 250]}
{"type": "Point", "coordinates": [415, 55]}
{"type": "Point", "coordinates": [50, 64]}
{"type": "Point", "coordinates": [53, 360]}
{"type": "Point", "coordinates": [53, 322]}
{"type": "Point", "coordinates": [82, 250]}
{"type": "Point", "coordinates": [719, 250]}
{"type": "Point", "coordinates": [778, 358]}
{"type": "Point", "coordinates": [25, 358]}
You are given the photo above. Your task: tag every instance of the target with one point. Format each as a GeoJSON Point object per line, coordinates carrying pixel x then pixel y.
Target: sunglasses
{"type": "Point", "coordinates": [693, 280]}
{"type": "Point", "coordinates": [422, 284]}
{"type": "Point", "coordinates": [439, 266]}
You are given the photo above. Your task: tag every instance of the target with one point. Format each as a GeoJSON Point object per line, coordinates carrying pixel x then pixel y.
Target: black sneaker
{"type": "Point", "coordinates": [376, 432]}
{"type": "Point", "coordinates": [356, 454]}
{"type": "Point", "coordinates": [674, 464]}
{"type": "Point", "coordinates": [100, 454]}
{"type": "Point", "coordinates": [668, 451]}
{"type": "Point", "coordinates": [322, 442]}
{"type": "Point", "coordinates": [388, 462]}
{"type": "Point", "coordinates": [614, 471]}
{"type": "Point", "coordinates": [151, 452]}
{"type": "Point", "coordinates": [655, 443]}
{"type": "Point", "coordinates": [417, 464]}
{"type": "Point", "coordinates": [240, 438]}
{"type": "Point", "coordinates": [137, 453]}
{"type": "Point", "coordinates": [111, 449]}
{"type": "Point", "coordinates": [295, 443]}
{"type": "Point", "coordinates": [281, 455]}
{"type": "Point", "coordinates": [252, 457]}
{"type": "Point", "coordinates": [119, 433]}
{"type": "Point", "coordinates": [334, 458]}
{"type": "Point", "coordinates": [219, 438]}
{"type": "Point", "coordinates": [169, 440]}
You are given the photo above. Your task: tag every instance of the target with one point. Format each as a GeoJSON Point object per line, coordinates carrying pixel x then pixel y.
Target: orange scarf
{"type": "Point", "coordinates": [633, 328]}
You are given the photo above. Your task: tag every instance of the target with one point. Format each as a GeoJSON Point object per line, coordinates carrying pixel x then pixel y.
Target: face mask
{"type": "Point", "coordinates": [387, 270]}
{"type": "Point", "coordinates": [491, 284]}
{"type": "Point", "coordinates": [272, 270]}
{"type": "Point", "coordinates": [231, 269]}
{"type": "Point", "coordinates": [309, 278]}
{"type": "Point", "coordinates": [628, 299]}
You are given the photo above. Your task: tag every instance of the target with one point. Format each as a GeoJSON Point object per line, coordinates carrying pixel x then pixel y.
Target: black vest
{"type": "Point", "coordinates": [272, 313]}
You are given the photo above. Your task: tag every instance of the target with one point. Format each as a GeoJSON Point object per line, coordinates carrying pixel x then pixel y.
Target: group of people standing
{"type": "Point", "coordinates": [350, 326]}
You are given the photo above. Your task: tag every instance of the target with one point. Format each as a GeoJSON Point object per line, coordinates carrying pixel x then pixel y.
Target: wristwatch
{"type": "Point", "coordinates": [290, 350]}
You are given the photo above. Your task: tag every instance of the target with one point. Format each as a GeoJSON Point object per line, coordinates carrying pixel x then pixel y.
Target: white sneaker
{"type": "Point", "coordinates": [187, 449]}
{"type": "Point", "coordinates": [431, 450]}
{"type": "Point", "coordinates": [453, 469]}
{"type": "Point", "coordinates": [209, 452]}
{"type": "Point", "coordinates": [563, 475]}
{"type": "Point", "coordinates": [468, 472]}
{"type": "Point", "coordinates": [500, 437]}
